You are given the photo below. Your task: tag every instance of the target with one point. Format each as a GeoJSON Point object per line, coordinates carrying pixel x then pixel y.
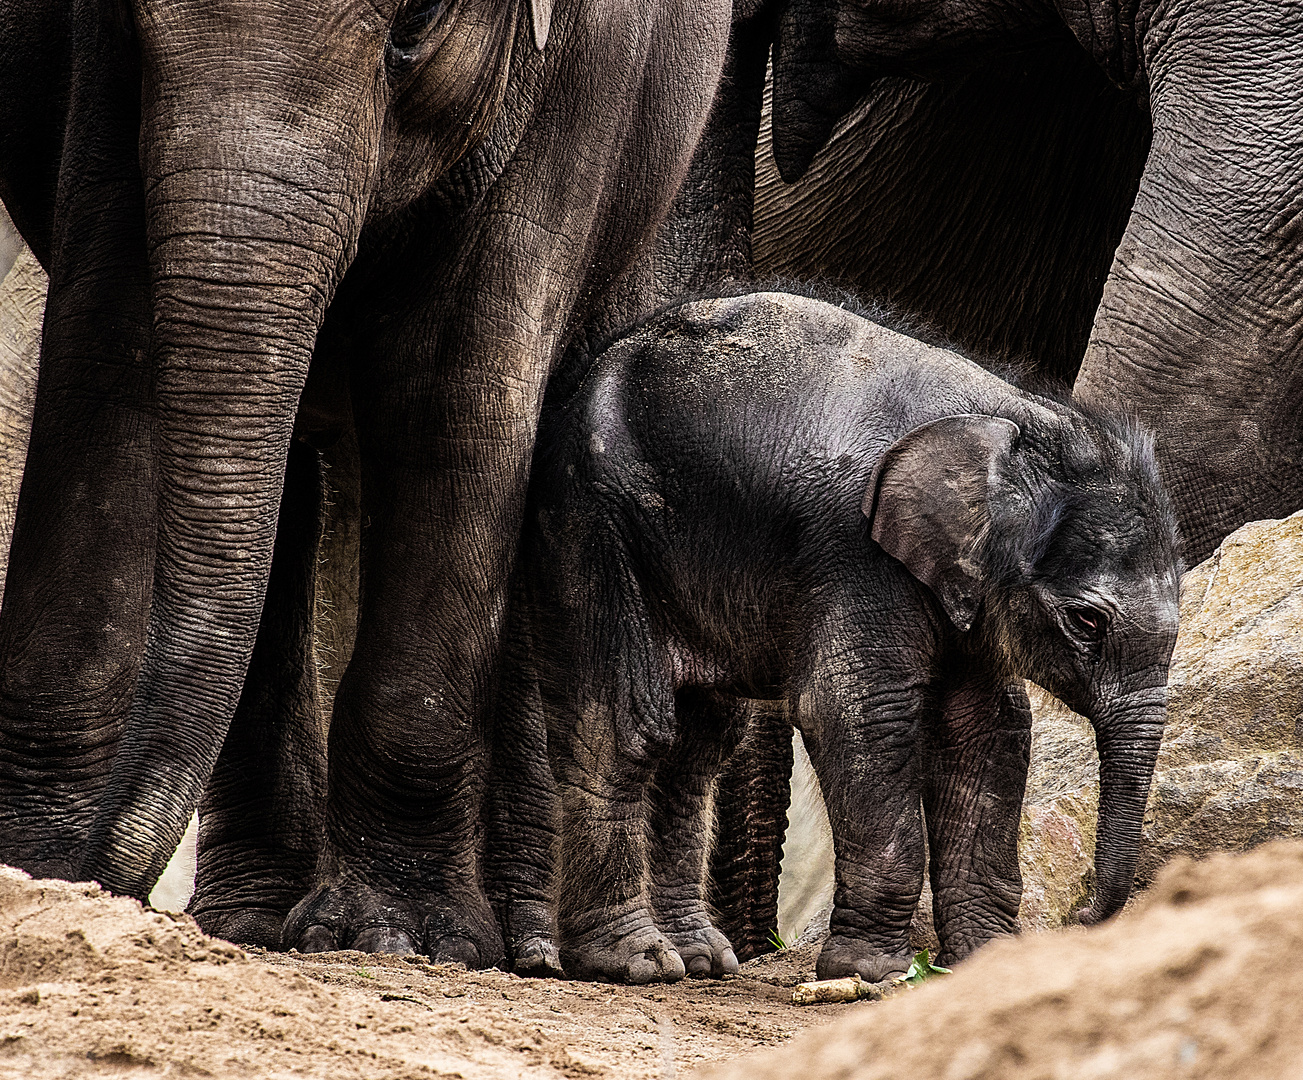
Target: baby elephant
{"type": "Point", "coordinates": [768, 496]}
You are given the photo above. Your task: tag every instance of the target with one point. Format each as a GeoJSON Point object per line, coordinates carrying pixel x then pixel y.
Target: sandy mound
{"type": "Point", "coordinates": [94, 985]}
{"type": "Point", "coordinates": [1203, 977]}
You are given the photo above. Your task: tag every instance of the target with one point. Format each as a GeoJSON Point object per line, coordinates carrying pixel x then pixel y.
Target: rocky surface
{"type": "Point", "coordinates": [1230, 772]}
{"type": "Point", "coordinates": [22, 305]}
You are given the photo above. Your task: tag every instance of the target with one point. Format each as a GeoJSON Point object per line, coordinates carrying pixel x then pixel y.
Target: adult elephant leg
{"type": "Point", "coordinates": [974, 775]}
{"type": "Point", "coordinates": [1200, 330]}
{"type": "Point", "coordinates": [710, 727]}
{"type": "Point", "coordinates": [522, 809]}
{"type": "Point", "coordinates": [446, 409]}
{"type": "Point", "coordinates": [73, 622]}
{"type": "Point", "coordinates": [408, 751]}
{"type": "Point", "coordinates": [261, 819]}
{"type": "Point", "coordinates": [751, 803]}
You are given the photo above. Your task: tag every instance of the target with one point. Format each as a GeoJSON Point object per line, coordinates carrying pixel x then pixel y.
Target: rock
{"type": "Point", "coordinates": [1056, 840]}
{"type": "Point", "coordinates": [1229, 775]}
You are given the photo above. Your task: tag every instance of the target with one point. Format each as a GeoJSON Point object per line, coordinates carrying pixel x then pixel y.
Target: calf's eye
{"type": "Point", "coordinates": [1089, 623]}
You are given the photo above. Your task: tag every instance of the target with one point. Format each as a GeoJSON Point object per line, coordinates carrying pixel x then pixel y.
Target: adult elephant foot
{"type": "Point", "coordinates": [843, 956]}
{"type": "Point", "coordinates": [706, 953]}
{"type": "Point", "coordinates": [447, 929]}
{"type": "Point", "coordinates": [626, 950]}
{"type": "Point", "coordinates": [244, 926]}
{"type": "Point", "coordinates": [527, 930]}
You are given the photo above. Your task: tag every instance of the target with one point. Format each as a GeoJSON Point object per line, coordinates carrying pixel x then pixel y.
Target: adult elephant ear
{"type": "Point", "coordinates": [541, 14]}
{"type": "Point", "coordinates": [812, 88]}
{"type": "Point", "coordinates": [927, 504]}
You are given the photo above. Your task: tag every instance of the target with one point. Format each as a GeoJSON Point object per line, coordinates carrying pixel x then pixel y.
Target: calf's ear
{"type": "Point", "coordinates": [541, 13]}
{"type": "Point", "coordinates": [927, 504]}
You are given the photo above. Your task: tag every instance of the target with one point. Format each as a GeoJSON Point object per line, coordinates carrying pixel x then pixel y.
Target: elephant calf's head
{"type": "Point", "coordinates": [1052, 548]}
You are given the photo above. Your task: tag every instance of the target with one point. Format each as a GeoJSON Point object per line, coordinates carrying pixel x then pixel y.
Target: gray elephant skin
{"type": "Point", "coordinates": [768, 496]}
{"type": "Point", "coordinates": [1096, 191]}
{"type": "Point", "coordinates": [266, 224]}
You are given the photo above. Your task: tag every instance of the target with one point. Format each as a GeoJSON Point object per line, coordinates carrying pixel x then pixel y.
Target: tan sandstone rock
{"type": "Point", "coordinates": [1230, 772]}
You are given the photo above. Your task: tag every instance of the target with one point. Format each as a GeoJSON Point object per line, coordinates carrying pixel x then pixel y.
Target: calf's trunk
{"type": "Point", "coordinates": [1128, 738]}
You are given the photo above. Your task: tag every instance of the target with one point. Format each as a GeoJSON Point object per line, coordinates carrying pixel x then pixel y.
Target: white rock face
{"type": "Point", "coordinates": [1230, 772]}
{"type": "Point", "coordinates": [806, 882]}
{"type": "Point", "coordinates": [22, 308]}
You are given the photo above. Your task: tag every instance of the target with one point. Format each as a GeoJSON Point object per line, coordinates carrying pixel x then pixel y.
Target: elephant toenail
{"type": "Point", "coordinates": [316, 939]}
{"type": "Point", "coordinates": [453, 949]}
{"type": "Point", "coordinates": [385, 939]}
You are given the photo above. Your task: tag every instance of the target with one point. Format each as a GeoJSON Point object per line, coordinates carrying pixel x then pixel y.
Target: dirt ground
{"type": "Point", "coordinates": [1202, 977]}
{"type": "Point", "coordinates": [94, 985]}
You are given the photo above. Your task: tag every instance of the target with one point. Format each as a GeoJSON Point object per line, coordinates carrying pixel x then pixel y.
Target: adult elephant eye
{"type": "Point", "coordinates": [1089, 623]}
{"type": "Point", "coordinates": [409, 31]}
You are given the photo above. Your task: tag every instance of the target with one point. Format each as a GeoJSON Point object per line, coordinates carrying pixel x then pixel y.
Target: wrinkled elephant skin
{"type": "Point", "coordinates": [697, 536]}
{"type": "Point", "coordinates": [1018, 202]}
{"type": "Point", "coordinates": [422, 201]}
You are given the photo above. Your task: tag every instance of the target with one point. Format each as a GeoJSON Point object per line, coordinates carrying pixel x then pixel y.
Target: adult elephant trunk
{"type": "Point", "coordinates": [1200, 328]}
{"type": "Point", "coordinates": [254, 205]}
{"type": "Point", "coordinates": [1128, 734]}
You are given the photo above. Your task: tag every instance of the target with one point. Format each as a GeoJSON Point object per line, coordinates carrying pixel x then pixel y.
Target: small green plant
{"type": "Point", "coordinates": [921, 969]}
{"type": "Point", "coordinates": [364, 973]}
{"type": "Point", "coordinates": [776, 941]}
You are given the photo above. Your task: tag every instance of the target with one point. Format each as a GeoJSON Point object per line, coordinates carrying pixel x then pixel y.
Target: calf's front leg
{"type": "Point", "coordinates": [861, 730]}
{"type": "Point", "coordinates": [974, 774]}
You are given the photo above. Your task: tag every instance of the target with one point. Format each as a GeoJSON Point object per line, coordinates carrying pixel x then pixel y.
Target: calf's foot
{"type": "Point", "coordinates": [626, 949]}
{"type": "Point", "coordinates": [844, 956]}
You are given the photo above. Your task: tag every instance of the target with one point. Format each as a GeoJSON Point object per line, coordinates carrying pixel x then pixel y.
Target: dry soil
{"type": "Point", "coordinates": [1203, 977]}
{"type": "Point", "coordinates": [96, 985]}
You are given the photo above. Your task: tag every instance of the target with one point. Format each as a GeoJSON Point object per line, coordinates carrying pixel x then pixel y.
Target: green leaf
{"type": "Point", "coordinates": [921, 969]}
{"type": "Point", "coordinates": [775, 940]}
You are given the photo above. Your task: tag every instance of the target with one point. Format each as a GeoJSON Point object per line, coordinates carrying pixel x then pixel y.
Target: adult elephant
{"type": "Point", "coordinates": [421, 200]}
{"type": "Point", "coordinates": [1109, 192]}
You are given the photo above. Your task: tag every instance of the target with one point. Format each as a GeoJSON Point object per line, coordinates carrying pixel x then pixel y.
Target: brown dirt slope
{"type": "Point", "coordinates": [94, 985]}
{"type": "Point", "coordinates": [1203, 977]}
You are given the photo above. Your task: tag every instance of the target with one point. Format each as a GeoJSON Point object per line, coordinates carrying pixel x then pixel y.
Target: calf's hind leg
{"type": "Point", "coordinates": [710, 727]}
{"type": "Point", "coordinates": [610, 719]}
